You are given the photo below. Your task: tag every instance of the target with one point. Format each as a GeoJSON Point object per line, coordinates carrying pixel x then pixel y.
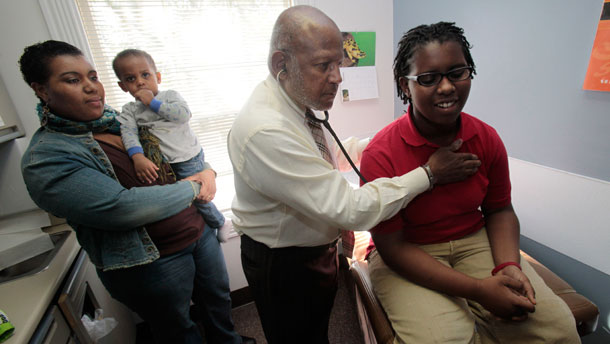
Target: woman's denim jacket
{"type": "Point", "coordinates": [71, 177]}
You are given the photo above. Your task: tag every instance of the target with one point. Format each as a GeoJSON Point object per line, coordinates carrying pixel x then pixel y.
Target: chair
{"type": "Point", "coordinates": [585, 312]}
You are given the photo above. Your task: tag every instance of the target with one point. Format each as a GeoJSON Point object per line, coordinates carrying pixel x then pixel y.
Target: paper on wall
{"type": "Point", "coordinates": [359, 83]}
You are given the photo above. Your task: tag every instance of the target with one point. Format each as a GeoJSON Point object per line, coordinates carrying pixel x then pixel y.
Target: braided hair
{"type": "Point", "coordinates": [421, 35]}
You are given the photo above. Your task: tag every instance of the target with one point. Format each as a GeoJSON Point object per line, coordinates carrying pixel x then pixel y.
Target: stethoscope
{"type": "Point", "coordinates": [326, 124]}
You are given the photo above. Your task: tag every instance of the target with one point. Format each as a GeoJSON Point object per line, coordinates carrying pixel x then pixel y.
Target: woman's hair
{"type": "Point", "coordinates": [131, 52]}
{"type": "Point", "coordinates": [421, 35]}
{"type": "Point", "coordinates": [34, 63]}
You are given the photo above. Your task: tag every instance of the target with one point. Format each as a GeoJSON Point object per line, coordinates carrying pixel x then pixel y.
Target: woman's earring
{"type": "Point", "coordinates": [45, 115]}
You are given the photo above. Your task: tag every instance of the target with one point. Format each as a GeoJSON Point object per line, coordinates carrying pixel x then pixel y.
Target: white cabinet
{"type": "Point", "coordinates": [53, 328]}
{"type": "Point", "coordinates": [82, 293]}
{"type": "Point", "coordinates": [10, 126]}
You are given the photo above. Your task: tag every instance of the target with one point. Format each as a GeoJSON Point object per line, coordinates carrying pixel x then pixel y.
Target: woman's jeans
{"type": "Point", "coordinates": [160, 292]}
{"type": "Point", "coordinates": [212, 216]}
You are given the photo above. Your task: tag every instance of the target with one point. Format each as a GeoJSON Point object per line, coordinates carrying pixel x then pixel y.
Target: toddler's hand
{"type": "Point", "coordinates": [144, 95]}
{"type": "Point", "coordinates": [146, 170]}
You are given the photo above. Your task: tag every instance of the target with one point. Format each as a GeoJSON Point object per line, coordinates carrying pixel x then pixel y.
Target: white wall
{"type": "Point", "coordinates": [564, 211]}
{"type": "Point", "coordinates": [21, 24]}
{"type": "Point", "coordinates": [232, 253]}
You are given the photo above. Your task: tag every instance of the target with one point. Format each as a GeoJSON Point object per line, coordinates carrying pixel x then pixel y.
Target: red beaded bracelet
{"type": "Point", "coordinates": [503, 265]}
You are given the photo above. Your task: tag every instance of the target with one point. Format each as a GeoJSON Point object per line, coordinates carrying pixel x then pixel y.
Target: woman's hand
{"type": "Point", "coordinates": [207, 180]}
{"type": "Point", "coordinates": [146, 170]}
{"type": "Point", "coordinates": [498, 294]}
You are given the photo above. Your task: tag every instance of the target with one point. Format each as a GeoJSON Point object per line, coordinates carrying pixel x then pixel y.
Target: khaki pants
{"type": "Point", "coordinates": [421, 315]}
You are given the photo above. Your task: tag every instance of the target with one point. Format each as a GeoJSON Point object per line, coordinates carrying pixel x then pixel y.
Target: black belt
{"type": "Point", "coordinates": [295, 248]}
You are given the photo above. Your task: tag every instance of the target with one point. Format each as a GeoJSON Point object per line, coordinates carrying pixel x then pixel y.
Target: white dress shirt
{"type": "Point", "coordinates": [286, 194]}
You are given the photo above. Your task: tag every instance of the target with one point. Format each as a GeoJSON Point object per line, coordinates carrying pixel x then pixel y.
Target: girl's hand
{"type": "Point", "coordinates": [498, 294]}
{"type": "Point", "coordinates": [526, 290]}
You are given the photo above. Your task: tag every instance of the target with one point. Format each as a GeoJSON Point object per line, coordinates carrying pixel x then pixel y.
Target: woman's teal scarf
{"type": "Point", "coordinates": [105, 124]}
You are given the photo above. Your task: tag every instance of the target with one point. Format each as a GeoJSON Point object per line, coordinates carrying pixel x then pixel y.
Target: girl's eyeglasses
{"type": "Point", "coordinates": [434, 78]}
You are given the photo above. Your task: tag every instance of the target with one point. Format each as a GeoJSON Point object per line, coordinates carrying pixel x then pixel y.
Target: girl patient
{"type": "Point", "coordinates": [447, 268]}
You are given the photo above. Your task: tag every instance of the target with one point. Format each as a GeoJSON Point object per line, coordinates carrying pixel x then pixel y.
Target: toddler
{"type": "Point", "coordinates": [165, 115]}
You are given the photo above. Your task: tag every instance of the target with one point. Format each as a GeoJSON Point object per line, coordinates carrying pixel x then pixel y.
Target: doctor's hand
{"type": "Point", "coordinates": [449, 166]}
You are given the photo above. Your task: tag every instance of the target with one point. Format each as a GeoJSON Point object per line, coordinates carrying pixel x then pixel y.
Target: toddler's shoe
{"type": "Point", "coordinates": [222, 233]}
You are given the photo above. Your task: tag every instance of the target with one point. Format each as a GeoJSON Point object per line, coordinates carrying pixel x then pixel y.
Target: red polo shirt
{"type": "Point", "coordinates": [449, 211]}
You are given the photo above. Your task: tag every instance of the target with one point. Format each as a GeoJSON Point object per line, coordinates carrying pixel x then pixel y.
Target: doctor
{"type": "Point", "coordinates": [290, 200]}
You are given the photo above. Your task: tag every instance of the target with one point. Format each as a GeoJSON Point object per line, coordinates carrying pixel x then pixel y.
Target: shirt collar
{"type": "Point", "coordinates": [285, 96]}
{"type": "Point", "coordinates": [412, 137]}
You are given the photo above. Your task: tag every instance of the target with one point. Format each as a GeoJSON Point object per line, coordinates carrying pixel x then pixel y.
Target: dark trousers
{"type": "Point", "coordinates": [294, 289]}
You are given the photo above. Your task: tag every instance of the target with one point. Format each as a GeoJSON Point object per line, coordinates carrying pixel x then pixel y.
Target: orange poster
{"type": "Point", "coordinates": [598, 73]}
